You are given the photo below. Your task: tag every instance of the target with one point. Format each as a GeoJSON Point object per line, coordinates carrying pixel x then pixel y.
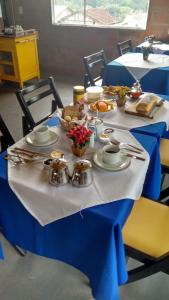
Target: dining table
{"type": "Point", "coordinates": [91, 238]}
{"type": "Point", "coordinates": [157, 47]}
{"type": "Point", "coordinates": [153, 73]}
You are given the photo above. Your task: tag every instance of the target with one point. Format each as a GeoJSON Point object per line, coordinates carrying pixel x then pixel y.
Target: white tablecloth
{"type": "Point", "coordinates": [121, 119]}
{"type": "Point", "coordinates": [48, 203]}
{"type": "Point", "coordinates": [138, 67]}
{"type": "Point", "coordinates": [157, 47]}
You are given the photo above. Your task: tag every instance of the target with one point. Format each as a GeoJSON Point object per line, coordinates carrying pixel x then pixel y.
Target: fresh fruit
{"type": "Point", "coordinates": [102, 106]}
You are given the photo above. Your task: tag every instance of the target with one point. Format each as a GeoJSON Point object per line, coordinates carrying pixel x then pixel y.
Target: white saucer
{"type": "Point", "coordinates": [123, 164]}
{"type": "Point", "coordinates": [31, 140]}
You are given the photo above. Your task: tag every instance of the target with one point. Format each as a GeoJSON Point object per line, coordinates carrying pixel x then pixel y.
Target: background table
{"type": "Point", "coordinates": [157, 47]}
{"type": "Point", "coordinates": [91, 240]}
{"type": "Point", "coordinates": [155, 81]}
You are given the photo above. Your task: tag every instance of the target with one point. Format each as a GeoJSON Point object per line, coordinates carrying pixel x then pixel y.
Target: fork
{"type": "Point", "coordinates": [117, 143]}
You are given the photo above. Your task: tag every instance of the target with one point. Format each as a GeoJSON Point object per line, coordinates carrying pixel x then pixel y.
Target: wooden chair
{"type": "Point", "coordinates": [34, 93]}
{"type": "Point", "coordinates": [146, 238]}
{"type": "Point", "coordinates": [164, 156]}
{"type": "Point", "coordinates": [6, 138]}
{"type": "Point", "coordinates": [94, 66]}
{"type": "Point", "coordinates": [124, 47]}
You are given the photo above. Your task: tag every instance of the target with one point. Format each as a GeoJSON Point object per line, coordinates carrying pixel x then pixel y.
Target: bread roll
{"type": "Point", "coordinates": [145, 105]}
{"type": "Point", "coordinates": [70, 112]}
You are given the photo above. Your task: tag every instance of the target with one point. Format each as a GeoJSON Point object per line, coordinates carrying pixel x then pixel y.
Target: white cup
{"type": "Point", "coordinates": [111, 154]}
{"type": "Point", "coordinates": [41, 134]}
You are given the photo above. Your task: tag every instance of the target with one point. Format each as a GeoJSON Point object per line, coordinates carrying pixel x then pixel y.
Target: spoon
{"type": "Point", "coordinates": [125, 148]}
{"type": "Point", "coordinates": [117, 143]}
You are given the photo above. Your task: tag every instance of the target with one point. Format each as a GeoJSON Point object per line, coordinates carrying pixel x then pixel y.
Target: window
{"type": "Point", "coordinates": [3, 13]}
{"type": "Point", "coordinates": [116, 13]}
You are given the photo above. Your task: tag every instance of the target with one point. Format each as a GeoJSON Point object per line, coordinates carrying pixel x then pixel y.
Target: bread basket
{"type": "Point", "coordinates": [68, 125]}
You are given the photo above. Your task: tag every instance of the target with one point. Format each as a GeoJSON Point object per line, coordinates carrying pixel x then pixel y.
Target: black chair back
{"type": "Point", "coordinates": [94, 66]}
{"type": "Point", "coordinates": [124, 47]}
{"type": "Point", "coordinates": [34, 93]}
{"type": "Point", "coordinates": [6, 138]}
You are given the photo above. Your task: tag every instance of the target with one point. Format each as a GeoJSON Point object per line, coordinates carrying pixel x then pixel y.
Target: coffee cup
{"type": "Point", "coordinates": [111, 154]}
{"type": "Point", "coordinates": [41, 134]}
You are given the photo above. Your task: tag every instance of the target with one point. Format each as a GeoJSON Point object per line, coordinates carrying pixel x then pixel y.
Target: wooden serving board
{"type": "Point", "coordinates": [131, 109]}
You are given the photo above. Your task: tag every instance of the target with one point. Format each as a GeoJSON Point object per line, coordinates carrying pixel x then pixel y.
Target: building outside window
{"type": "Point", "coordinates": [116, 13]}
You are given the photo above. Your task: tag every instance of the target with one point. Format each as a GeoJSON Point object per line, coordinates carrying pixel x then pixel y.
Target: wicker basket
{"type": "Point", "coordinates": [69, 125]}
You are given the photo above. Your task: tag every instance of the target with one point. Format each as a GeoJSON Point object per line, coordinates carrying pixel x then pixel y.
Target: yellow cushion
{"type": "Point", "coordinates": [147, 228]}
{"type": "Point", "coordinates": [164, 152]}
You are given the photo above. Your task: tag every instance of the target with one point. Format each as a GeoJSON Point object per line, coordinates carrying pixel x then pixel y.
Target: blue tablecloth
{"type": "Point", "coordinates": [155, 81]}
{"type": "Point", "coordinates": [1, 253]}
{"type": "Point", "coordinates": [91, 241]}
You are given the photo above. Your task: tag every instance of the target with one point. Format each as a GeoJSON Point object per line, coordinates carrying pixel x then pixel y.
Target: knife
{"type": "Point", "coordinates": [131, 150]}
{"type": "Point", "coordinates": [135, 156]}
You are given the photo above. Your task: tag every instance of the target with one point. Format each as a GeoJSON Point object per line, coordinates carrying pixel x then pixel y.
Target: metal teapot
{"type": "Point", "coordinates": [82, 174]}
{"type": "Point", "coordinates": [59, 174]}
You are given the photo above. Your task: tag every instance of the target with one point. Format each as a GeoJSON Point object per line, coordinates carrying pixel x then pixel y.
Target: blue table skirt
{"type": "Point", "coordinates": [1, 253]}
{"type": "Point", "coordinates": [157, 130]}
{"type": "Point", "coordinates": [91, 241]}
{"type": "Point", "coordinates": [155, 81]}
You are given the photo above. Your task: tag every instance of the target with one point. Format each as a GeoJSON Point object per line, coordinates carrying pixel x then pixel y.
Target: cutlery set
{"type": "Point", "coordinates": [21, 155]}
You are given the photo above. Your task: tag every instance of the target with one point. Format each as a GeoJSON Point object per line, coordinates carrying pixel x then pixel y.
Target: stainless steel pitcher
{"type": "Point", "coordinates": [82, 174]}
{"type": "Point", "coordinates": [59, 174]}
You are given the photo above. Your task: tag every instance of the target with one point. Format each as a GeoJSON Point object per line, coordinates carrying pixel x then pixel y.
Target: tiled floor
{"type": "Point", "coordinates": [37, 278]}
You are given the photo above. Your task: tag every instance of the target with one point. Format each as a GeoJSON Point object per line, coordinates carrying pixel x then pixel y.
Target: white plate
{"type": "Point", "coordinates": [123, 164]}
{"type": "Point", "coordinates": [102, 113]}
{"type": "Point", "coordinates": [31, 140]}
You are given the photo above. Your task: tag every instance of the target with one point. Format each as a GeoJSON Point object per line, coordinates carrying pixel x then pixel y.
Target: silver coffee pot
{"type": "Point", "coordinates": [58, 173]}
{"type": "Point", "coordinates": [82, 174]}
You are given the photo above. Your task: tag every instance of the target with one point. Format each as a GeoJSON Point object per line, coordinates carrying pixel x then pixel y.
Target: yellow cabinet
{"type": "Point", "coordinates": [19, 58]}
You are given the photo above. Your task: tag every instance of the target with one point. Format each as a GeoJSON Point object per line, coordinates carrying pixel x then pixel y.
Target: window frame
{"type": "Point", "coordinates": [96, 26]}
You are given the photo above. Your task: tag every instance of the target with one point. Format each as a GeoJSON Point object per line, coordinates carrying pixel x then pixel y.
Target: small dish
{"type": "Point", "coordinates": [31, 139]}
{"type": "Point", "coordinates": [104, 138]}
{"type": "Point", "coordinates": [123, 164]}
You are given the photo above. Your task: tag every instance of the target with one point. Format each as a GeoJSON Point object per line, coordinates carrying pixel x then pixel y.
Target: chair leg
{"type": "Point", "coordinates": [86, 81]}
{"type": "Point", "coordinates": [25, 127]}
{"type": "Point", "coordinates": [167, 202]}
{"type": "Point", "coordinates": [147, 270]}
{"type": "Point", "coordinates": [166, 271]}
{"type": "Point", "coordinates": [164, 193]}
{"type": "Point", "coordinates": [19, 250]}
